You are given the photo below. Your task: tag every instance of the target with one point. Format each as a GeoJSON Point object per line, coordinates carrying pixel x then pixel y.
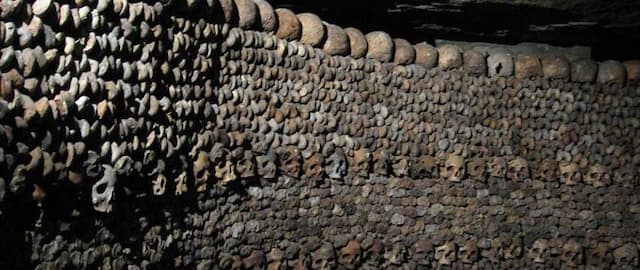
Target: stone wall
{"type": "Point", "coordinates": [229, 135]}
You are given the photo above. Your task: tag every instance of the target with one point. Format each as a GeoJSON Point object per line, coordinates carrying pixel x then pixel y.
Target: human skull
{"type": "Point", "coordinates": [201, 171]}
{"type": "Point", "coordinates": [359, 162]}
{"type": "Point", "coordinates": [599, 255]}
{"type": "Point", "coordinates": [381, 162]}
{"type": "Point", "coordinates": [626, 256]}
{"type": "Point", "coordinates": [446, 253]}
{"type": "Point", "coordinates": [570, 174]}
{"type": "Point", "coordinates": [424, 167]}
{"type": "Point", "coordinates": [468, 253]}
{"type": "Point", "coordinates": [245, 166]}
{"type": "Point", "coordinates": [400, 166]}
{"type": "Point", "coordinates": [224, 168]}
{"type": "Point", "coordinates": [518, 169]}
{"type": "Point", "coordinates": [266, 165]}
{"type": "Point", "coordinates": [312, 167]}
{"type": "Point", "coordinates": [349, 255]}
{"type": "Point", "coordinates": [159, 184]}
{"type": "Point", "coordinates": [476, 168]}
{"type": "Point", "coordinates": [597, 176]}
{"type": "Point", "coordinates": [512, 248]}
{"type": "Point", "coordinates": [422, 252]}
{"type": "Point", "coordinates": [255, 261]}
{"type": "Point", "coordinates": [274, 258]}
{"type": "Point", "coordinates": [336, 164]}
{"type": "Point", "coordinates": [324, 258]}
{"type": "Point", "coordinates": [546, 171]}
{"type": "Point", "coordinates": [301, 263]}
{"type": "Point", "coordinates": [453, 169]}
{"type": "Point", "coordinates": [396, 255]}
{"type": "Point", "coordinates": [540, 251]}
{"type": "Point", "coordinates": [103, 191]}
{"type": "Point", "coordinates": [373, 255]}
{"type": "Point", "coordinates": [289, 160]}
{"type": "Point", "coordinates": [572, 254]}
{"type": "Point", "coordinates": [494, 252]}
{"type": "Point", "coordinates": [497, 167]}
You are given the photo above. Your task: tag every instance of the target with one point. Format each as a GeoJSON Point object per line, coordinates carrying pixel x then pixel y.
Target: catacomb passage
{"type": "Point", "coordinates": [233, 134]}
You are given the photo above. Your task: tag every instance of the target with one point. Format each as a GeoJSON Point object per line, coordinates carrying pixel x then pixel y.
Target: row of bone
{"type": "Point", "coordinates": [566, 98]}
{"type": "Point", "coordinates": [570, 106]}
{"type": "Point", "coordinates": [302, 116]}
{"type": "Point", "coordinates": [183, 176]}
{"type": "Point", "coordinates": [588, 141]}
{"type": "Point", "coordinates": [42, 17]}
{"type": "Point", "coordinates": [557, 100]}
{"type": "Point", "coordinates": [311, 30]}
{"type": "Point", "coordinates": [423, 253]}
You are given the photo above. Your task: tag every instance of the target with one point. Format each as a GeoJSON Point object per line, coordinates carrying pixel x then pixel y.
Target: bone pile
{"type": "Point", "coordinates": [229, 134]}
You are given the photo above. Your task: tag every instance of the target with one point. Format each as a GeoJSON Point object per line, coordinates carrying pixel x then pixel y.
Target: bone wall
{"type": "Point", "coordinates": [201, 135]}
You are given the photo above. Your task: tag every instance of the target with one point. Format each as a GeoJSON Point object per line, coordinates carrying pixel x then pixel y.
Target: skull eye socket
{"type": "Point", "coordinates": [101, 188]}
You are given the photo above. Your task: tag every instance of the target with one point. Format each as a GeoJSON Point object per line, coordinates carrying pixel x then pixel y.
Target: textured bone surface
{"type": "Point", "coordinates": [475, 63]}
{"type": "Point", "coordinates": [540, 251]}
{"type": "Point", "coordinates": [268, 16]}
{"type": "Point", "coordinates": [426, 55]}
{"type": "Point", "coordinates": [500, 62]}
{"type": "Point", "coordinates": [349, 256]}
{"type": "Point", "coordinates": [289, 27]}
{"type": "Point", "coordinates": [357, 42]}
{"type": "Point", "coordinates": [188, 135]}
{"type": "Point", "coordinates": [584, 70]}
{"type": "Point", "coordinates": [404, 52]}
{"type": "Point", "coordinates": [611, 72]}
{"type": "Point", "coordinates": [446, 253]}
{"type": "Point", "coordinates": [555, 67]}
{"type": "Point", "coordinates": [337, 42]}
{"type": "Point", "coordinates": [380, 46]}
{"type": "Point", "coordinates": [527, 66]}
{"type": "Point", "coordinates": [454, 168]}
{"type": "Point", "coordinates": [633, 70]}
{"type": "Point", "coordinates": [449, 56]}
{"type": "Point", "coordinates": [313, 30]}
{"type": "Point", "coordinates": [247, 13]}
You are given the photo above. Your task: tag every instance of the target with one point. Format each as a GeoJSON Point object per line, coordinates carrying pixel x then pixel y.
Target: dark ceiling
{"type": "Point", "coordinates": [610, 28]}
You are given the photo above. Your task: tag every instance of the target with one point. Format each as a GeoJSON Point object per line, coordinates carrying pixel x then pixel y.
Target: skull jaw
{"type": "Point", "coordinates": [348, 262]}
{"type": "Point", "coordinates": [291, 170]}
{"type": "Point", "coordinates": [102, 203]}
{"type": "Point", "coordinates": [336, 172]}
{"type": "Point", "coordinates": [538, 259]}
{"type": "Point", "coordinates": [226, 173]}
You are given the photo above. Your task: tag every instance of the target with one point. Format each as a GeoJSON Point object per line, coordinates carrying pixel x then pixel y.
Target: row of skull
{"type": "Point", "coordinates": [228, 166]}
{"type": "Point", "coordinates": [423, 253]}
{"type": "Point", "coordinates": [336, 164]}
